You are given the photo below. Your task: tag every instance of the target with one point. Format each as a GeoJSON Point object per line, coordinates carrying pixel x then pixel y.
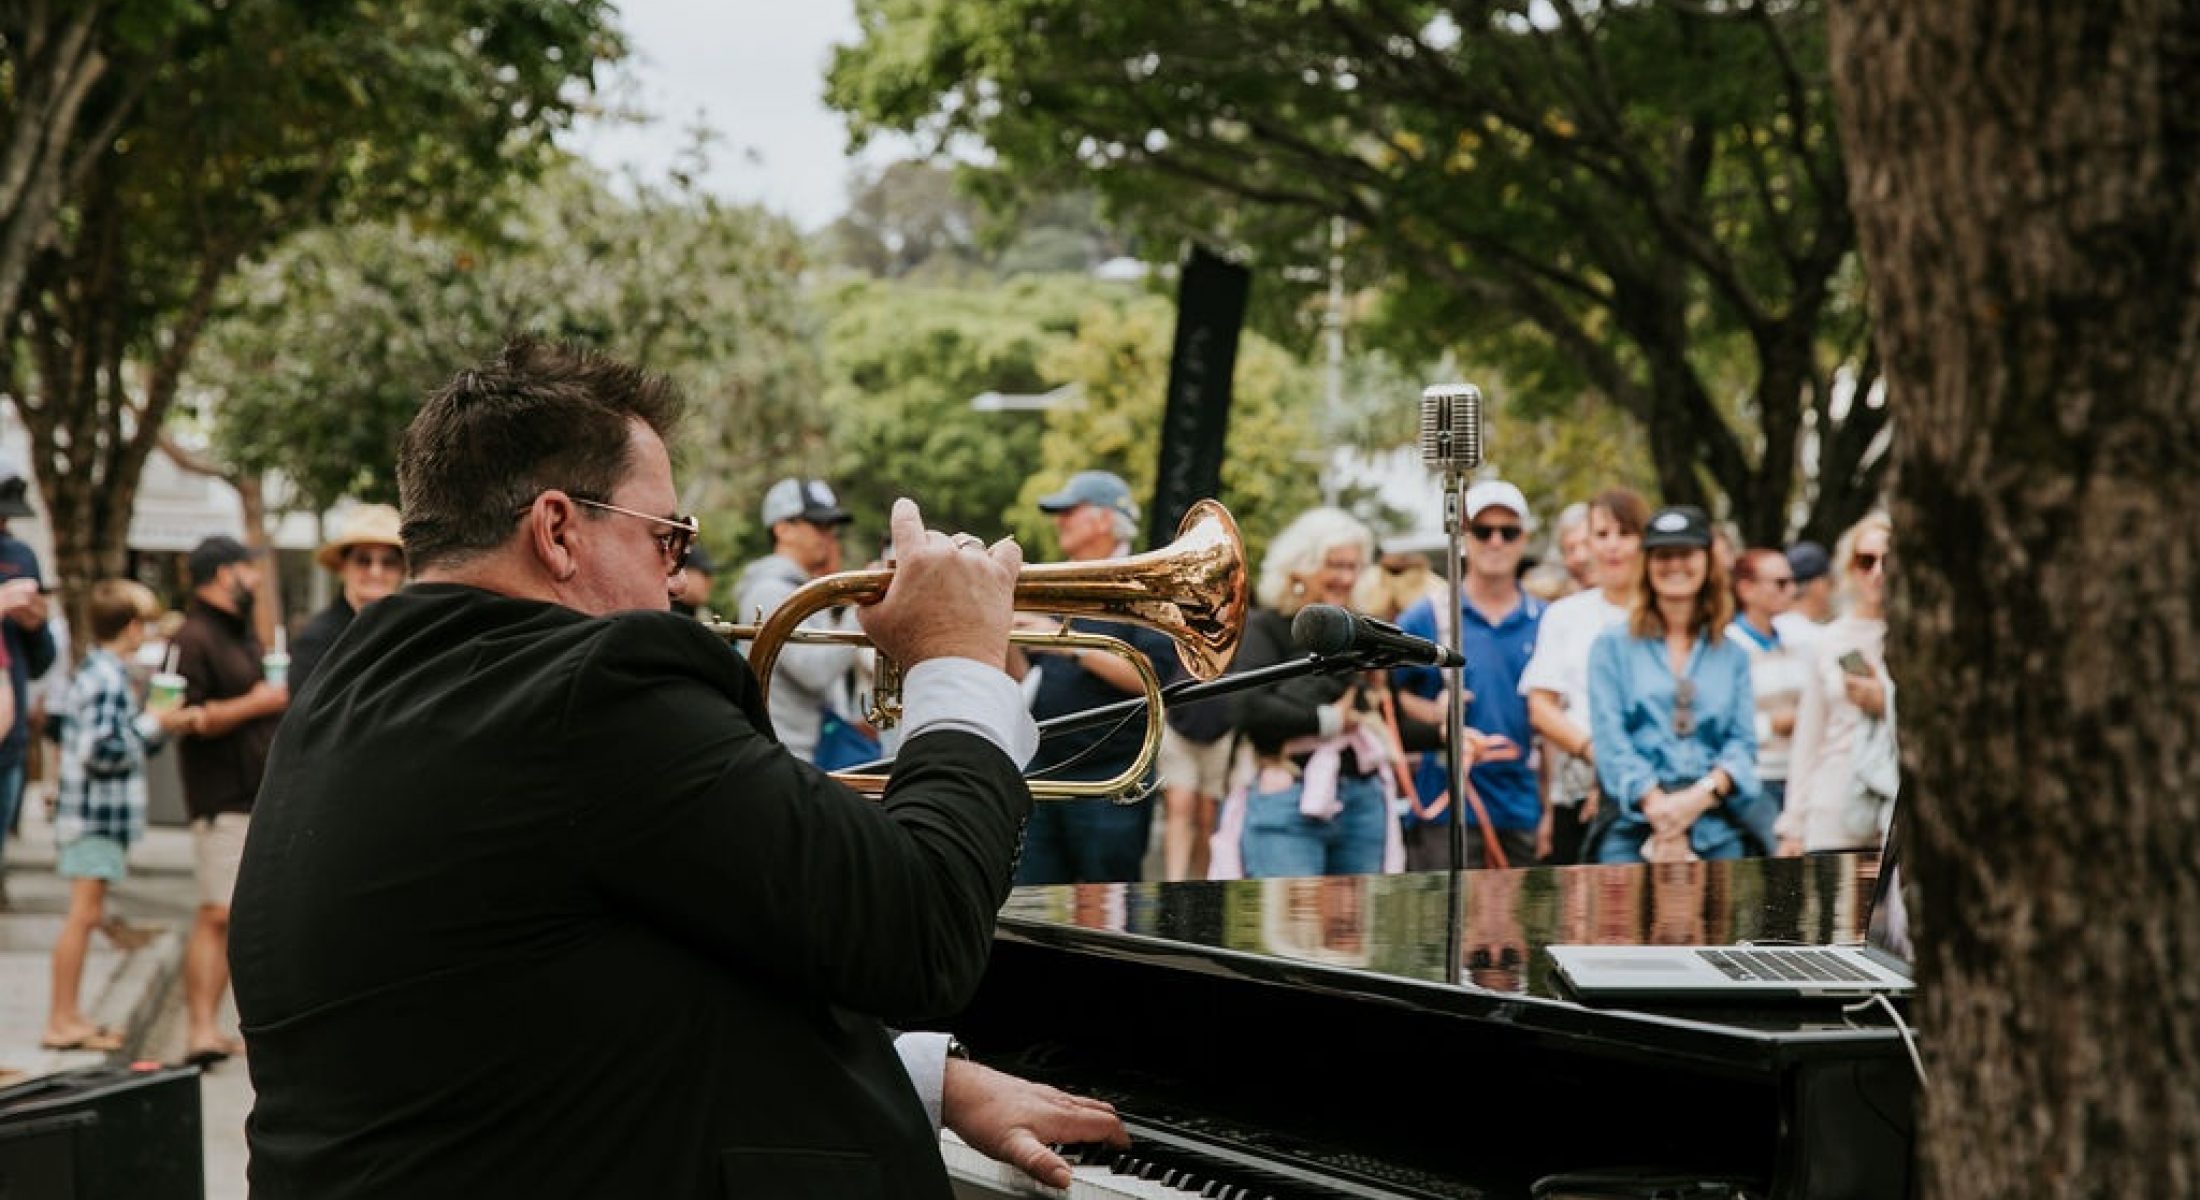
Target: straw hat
{"type": "Point", "coordinates": [366, 525]}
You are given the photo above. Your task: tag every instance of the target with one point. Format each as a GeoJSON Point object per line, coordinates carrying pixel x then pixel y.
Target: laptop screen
{"type": "Point", "coordinates": [1888, 927]}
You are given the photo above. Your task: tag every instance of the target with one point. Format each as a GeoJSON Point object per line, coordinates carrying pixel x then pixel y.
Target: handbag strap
{"type": "Point", "coordinates": [1491, 850]}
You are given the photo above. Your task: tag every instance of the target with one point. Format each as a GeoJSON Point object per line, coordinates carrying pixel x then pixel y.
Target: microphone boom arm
{"type": "Point", "coordinates": [1190, 691]}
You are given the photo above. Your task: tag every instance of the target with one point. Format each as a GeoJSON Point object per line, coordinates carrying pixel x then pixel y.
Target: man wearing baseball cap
{"type": "Point", "coordinates": [813, 680]}
{"type": "Point", "coordinates": [1801, 624]}
{"type": "Point", "coordinates": [224, 673]}
{"type": "Point", "coordinates": [1090, 840]}
{"type": "Point", "coordinates": [694, 598]}
{"type": "Point", "coordinates": [1498, 621]}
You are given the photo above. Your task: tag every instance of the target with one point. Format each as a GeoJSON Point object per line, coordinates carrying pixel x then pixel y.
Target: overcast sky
{"type": "Point", "coordinates": [753, 70]}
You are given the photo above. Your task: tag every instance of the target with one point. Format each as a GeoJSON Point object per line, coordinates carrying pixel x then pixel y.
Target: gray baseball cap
{"type": "Point", "coordinates": [1102, 488]}
{"type": "Point", "coordinates": [803, 500]}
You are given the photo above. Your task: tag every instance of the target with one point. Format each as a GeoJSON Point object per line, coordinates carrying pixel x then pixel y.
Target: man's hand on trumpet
{"type": "Point", "coordinates": [951, 596]}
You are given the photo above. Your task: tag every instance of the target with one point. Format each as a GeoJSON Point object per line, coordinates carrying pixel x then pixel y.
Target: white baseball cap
{"type": "Point", "coordinates": [1496, 493]}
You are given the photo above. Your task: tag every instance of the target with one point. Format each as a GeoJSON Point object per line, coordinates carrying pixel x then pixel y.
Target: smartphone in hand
{"type": "Point", "coordinates": [1853, 663]}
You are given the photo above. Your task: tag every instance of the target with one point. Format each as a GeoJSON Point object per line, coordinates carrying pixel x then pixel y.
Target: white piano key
{"type": "Point", "coordinates": [970, 1169]}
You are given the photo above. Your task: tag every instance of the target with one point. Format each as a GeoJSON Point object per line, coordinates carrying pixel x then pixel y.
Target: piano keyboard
{"type": "Point", "coordinates": [1161, 1165]}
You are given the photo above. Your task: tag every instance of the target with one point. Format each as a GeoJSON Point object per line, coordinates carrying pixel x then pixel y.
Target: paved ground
{"type": "Point", "coordinates": [139, 992]}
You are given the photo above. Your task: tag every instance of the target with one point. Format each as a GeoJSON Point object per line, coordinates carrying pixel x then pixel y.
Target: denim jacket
{"type": "Point", "coordinates": [1637, 748]}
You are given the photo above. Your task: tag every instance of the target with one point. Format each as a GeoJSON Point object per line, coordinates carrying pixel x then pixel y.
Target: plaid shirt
{"type": "Point", "coordinates": [103, 753]}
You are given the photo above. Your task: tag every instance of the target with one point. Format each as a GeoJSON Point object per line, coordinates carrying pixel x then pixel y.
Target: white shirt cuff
{"type": "Point", "coordinates": [924, 1057]}
{"type": "Point", "coordinates": [968, 695]}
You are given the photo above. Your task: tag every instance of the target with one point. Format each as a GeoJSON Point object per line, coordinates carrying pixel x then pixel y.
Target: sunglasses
{"type": "Point", "coordinates": [1487, 533]}
{"type": "Point", "coordinates": [675, 543]}
{"type": "Point", "coordinates": [1684, 707]}
{"type": "Point", "coordinates": [388, 560]}
{"type": "Point", "coordinates": [1867, 562]}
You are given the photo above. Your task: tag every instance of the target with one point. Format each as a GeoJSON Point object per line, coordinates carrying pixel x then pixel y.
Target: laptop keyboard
{"type": "Point", "coordinates": [1797, 964]}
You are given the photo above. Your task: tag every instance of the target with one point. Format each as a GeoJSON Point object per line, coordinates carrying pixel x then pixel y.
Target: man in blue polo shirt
{"type": "Point", "coordinates": [1498, 624]}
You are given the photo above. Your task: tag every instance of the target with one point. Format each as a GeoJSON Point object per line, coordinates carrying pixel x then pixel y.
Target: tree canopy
{"type": "Point", "coordinates": [1640, 201]}
{"type": "Point", "coordinates": [208, 132]}
{"type": "Point", "coordinates": [904, 362]}
{"type": "Point", "coordinates": [324, 351]}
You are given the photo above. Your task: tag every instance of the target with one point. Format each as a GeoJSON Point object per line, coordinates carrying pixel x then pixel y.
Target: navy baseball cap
{"type": "Point", "coordinates": [1104, 489]}
{"type": "Point", "coordinates": [1682, 526]}
{"type": "Point", "coordinates": [1808, 560]}
{"type": "Point", "coordinates": [14, 496]}
{"type": "Point", "coordinates": [212, 554]}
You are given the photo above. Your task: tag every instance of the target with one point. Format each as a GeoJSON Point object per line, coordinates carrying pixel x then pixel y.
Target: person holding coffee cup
{"type": "Point", "coordinates": [221, 658]}
{"type": "Point", "coordinates": [368, 559]}
{"type": "Point", "coordinates": [100, 808]}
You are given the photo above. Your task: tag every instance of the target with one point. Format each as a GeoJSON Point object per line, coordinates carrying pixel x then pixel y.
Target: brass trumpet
{"type": "Point", "coordinates": [1193, 590]}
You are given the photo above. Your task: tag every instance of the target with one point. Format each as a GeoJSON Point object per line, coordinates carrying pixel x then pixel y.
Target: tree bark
{"type": "Point", "coordinates": [2026, 181]}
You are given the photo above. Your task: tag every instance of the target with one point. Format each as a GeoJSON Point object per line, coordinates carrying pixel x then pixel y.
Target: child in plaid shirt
{"type": "Point", "coordinates": [102, 802]}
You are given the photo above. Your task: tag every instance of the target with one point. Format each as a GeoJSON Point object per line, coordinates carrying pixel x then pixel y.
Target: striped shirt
{"type": "Point", "coordinates": [103, 751]}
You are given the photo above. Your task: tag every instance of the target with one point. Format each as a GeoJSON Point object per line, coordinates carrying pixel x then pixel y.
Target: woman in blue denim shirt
{"type": "Point", "coordinates": [1673, 716]}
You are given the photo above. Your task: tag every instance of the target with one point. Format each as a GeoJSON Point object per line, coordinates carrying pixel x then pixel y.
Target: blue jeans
{"type": "Point", "coordinates": [1281, 841]}
{"type": "Point", "coordinates": [11, 796]}
{"type": "Point", "coordinates": [1085, 841]}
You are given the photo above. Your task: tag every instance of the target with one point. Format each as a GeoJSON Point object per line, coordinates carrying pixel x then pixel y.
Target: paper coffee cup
{"type": "Point", "coordinates": [275, 668]}
{"type": "Point", "coordinates": [165, 692]}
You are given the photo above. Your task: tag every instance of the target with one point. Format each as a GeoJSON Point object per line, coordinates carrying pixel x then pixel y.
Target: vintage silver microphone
{"type": "Point", "coordinates": [1451, 446]}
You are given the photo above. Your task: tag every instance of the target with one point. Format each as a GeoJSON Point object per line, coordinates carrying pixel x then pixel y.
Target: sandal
{"type": "Point", "coordinates": [125, 936]}
{"type": "Point", "coordinates": [98, 1038]}
{"type": "Point", "coordinates": [207, 1056]}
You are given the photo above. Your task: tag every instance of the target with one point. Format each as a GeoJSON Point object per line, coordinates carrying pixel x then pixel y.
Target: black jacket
{"type": "Point", "coordinates": [1272, 715]}
{"type": "Point", "coordinates": [313, 642]}
{"type": "Point", "coordinates": [532, 905]}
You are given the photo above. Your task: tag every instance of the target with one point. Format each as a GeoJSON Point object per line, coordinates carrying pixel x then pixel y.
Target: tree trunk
{"type": "Point", "coordinates": [2026, 181]}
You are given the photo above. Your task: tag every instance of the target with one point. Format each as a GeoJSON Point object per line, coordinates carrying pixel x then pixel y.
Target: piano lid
{"type": "Point", "coordinates": [1393, 934]}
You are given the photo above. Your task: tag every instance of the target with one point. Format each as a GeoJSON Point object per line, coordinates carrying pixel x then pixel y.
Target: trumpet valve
{"type": "Point", "coordinates": [885, 706]}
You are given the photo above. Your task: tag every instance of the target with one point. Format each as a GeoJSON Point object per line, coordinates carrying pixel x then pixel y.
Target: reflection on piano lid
{"type": "Point", "coordinates": [1283, 1027]}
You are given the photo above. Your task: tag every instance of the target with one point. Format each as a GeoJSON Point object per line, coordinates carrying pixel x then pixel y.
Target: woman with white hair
{"type": "Point", "coordinates": [1847, 708]}
{"type": "Point", "coordinates": [1320, 803]}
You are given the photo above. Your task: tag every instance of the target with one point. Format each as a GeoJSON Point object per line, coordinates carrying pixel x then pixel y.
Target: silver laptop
{"type": "Point", "coordinates": [1713, 973]}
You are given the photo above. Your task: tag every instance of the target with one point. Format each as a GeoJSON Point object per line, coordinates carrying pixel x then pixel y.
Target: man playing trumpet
{"type": "Point", "coordinates": [534, 903]}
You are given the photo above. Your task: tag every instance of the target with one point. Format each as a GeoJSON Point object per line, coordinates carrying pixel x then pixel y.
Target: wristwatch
{"type": "Point", "coordinates": [956, 1049]}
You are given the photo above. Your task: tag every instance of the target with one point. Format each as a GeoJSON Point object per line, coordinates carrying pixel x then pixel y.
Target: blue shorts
{"type": "Point", "coordinates": [93, 857]}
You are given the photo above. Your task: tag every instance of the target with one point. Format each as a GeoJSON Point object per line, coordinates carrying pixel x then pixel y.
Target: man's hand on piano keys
{"type": "Point", "coordinates": [1018, 1122]}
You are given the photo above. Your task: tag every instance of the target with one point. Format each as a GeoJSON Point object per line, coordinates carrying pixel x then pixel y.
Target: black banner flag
{"type": "Point", "coordinates": [1210, 310]}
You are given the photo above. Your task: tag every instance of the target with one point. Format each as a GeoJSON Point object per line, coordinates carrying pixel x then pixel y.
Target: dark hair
{"type": "Point", "coordinates": [117, 604]}
{"type": "Point", "coordinates": [1629, 510]}
{"type": "Point", "coordinates": [539, 415]}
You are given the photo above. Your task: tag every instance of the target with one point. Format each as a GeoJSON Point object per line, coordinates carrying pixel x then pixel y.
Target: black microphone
{"type": "Point", "coordinates": [1329, 631]}
{"type": "Point", "coordinates": [1451, 428]}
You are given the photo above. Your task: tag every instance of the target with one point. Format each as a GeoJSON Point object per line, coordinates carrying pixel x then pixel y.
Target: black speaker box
{"type": "Point", "coordinates": [103, 1133]}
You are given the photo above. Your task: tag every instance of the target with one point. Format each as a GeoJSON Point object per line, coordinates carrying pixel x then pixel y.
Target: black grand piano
{"type": "Point", "coordinates": [1404, 1036]}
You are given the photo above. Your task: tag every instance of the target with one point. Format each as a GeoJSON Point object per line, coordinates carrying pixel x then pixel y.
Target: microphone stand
{"type": "Point", "coordinates": [1455, 732]}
